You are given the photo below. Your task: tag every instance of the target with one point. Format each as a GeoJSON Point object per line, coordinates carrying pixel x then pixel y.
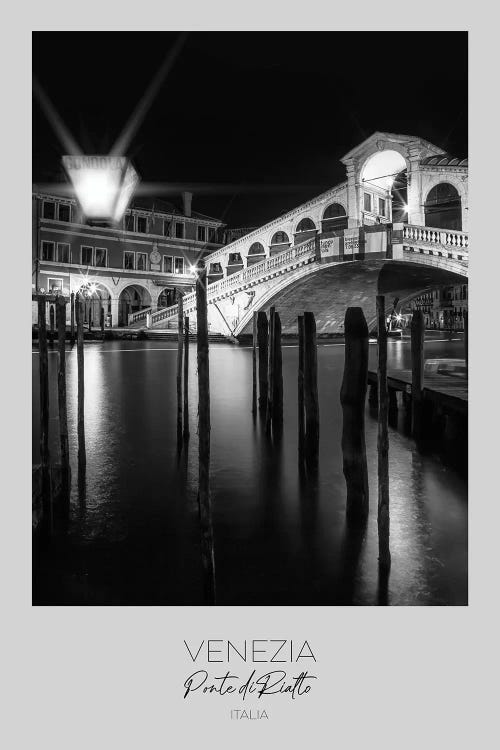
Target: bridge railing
{"type": "Point", "coordinates": [252, 273]}
{"type": "Point", "coordinates": [448, 238]}
{"type": "Point", "coordinates": [139, 315]}
{"type": "Point", "coordinates": [454, 243]}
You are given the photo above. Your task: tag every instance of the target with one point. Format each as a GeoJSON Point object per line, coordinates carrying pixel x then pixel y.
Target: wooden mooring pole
{"type": "Point", "coordinates": [384, 555]}
{"type": "Point", "coordinates": [44, 406]}
{"type": "Point", "coordinates": [300, 388]}
{"type": "Point", "coordinates": [61, 390]}
{"type": "Point", "coordinates": [254, 364]}
{"type": "Point", "coordinates": [72, 319]}
{"type": "Point", "coordinates": [186, 378]}
{"type": "Point", "coordinates": [102, 322]}
{"type": "Point", "coordinates": [311, 391]}
{"type": "Point", "coordinates": [263, 344]}
{"type": "Point", "coordinates": [204, 502]}
{"type": "Point", "coordinates": [277, 414]}
{"type": "Point", "coordinates": [417, 372]}
{"type": "Point", "coordinates": [82, 455]}
{"type": "Point", "coordinates": [52, 315]}
{"type": "Point", "coordinates": [180, 341]}
{"type": "Point", "coordinates": [352, 398]}
{"type": "Point", "coordinates": [270, 373]}
{"type": "Point", "coordinates": [466, 340]}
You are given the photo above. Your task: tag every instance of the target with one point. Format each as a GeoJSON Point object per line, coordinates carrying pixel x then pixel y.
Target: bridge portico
{"type": "Point", "coordinates": [396, 184]}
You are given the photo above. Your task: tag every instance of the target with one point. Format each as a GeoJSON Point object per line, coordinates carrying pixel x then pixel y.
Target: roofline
{"type": "Point", "coordinates": [399, 137]}
{"type": "Point", "coordinates": [279, 219]}
{"type": "Point", "coordinates": [35, 192]}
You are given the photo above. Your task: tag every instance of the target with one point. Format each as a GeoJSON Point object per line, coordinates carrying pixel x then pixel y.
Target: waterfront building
{"type": "Point", "coordinates": [141, 263]}
{"type": "Point", "coordinates": [443, 308]}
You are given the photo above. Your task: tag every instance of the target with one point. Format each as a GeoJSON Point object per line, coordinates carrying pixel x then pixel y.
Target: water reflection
{"type": "Point", "coordinates": [280, 534]}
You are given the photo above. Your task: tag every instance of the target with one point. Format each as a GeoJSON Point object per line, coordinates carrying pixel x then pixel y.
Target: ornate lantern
{"type": "Point", "coordinates": [103, 185]}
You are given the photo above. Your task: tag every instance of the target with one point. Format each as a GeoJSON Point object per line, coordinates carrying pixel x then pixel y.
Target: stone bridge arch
{"type": "Point", "coordinates": [327, 290]}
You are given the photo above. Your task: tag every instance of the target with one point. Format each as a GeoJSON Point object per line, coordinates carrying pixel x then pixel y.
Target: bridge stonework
{"type": "Point", "coordinates": [326, 271]}
{"type": "Point", "coordinates": [349, 268]}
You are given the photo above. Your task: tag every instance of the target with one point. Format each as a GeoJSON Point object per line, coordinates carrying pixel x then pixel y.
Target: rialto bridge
{"type": "Point", "coordinates": [396, 226]}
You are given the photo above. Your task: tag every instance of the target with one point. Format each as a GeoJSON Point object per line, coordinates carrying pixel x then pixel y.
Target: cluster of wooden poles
{"type": "Point", "coordinates": [204, 500]}
{"type": "Point", "coordinates": [267, 352]}
{"type": "Point", "coordinates": [267, 344]}
{"type": "Point", "coordinates": [267, 381]}
{"type": "Point", "coordinates": [77, 310]}
{"type": "Point", "coordinates": [51, 334]}
{"type": "Point", "coordinates": [47, 466]}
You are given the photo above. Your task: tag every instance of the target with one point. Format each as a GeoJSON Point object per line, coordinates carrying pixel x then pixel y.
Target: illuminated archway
{"type": "Point", "coordinates": [96, 299]}
{"type": "Point", "coordinates": [383, 177]}
{"type": "Point", "coordinates": [443, 207]}
{"type": "Point", "coordinates": [132, 299]}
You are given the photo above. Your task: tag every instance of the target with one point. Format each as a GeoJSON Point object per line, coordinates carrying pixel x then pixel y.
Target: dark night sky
{"type": "Point", "coordinates": [250, 108]}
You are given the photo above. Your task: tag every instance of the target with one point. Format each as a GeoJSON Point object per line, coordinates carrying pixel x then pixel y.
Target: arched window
{"type": "Point", "coordinates": [306, 225]}
{"type": "Point", "coordinates": [443, 207]}
{"type": "Point", "coordinates": [334, 218]}
{"type": "Point", "coordinates": [279, 238]}
{"type": "Point", "coordinates": [234, 259]}
{"type": "Point", "coordinates": [257, 249]}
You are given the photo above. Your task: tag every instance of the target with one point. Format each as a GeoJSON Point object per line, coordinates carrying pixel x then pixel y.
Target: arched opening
{"type": "Point", "coordinates": [334, 218]}
{"type": "Point", "coordinates": [168, 297]}
{"type": "Point", "coordinates": [256, 253]}
{"type": "Point", "coordinates": [306, 228]}
{"type": "Point", "coordinates": [234, 263]}
{"type": "Point", "coordinates": [379, 176]}
{"type": "Point", "coordinates": [279, 242]}
{"type": "Point", "coordinates": [257, 249]}
{"type": "Point", "coordinates": [96, 298]}
{"type": "Point", "coordinates": [443, 207]}
{"type": "Point", "coordinates": [132, 299]}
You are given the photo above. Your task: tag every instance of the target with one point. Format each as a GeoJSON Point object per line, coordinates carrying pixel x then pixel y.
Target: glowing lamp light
{"type": "Point", "coordinates": [103, 185]}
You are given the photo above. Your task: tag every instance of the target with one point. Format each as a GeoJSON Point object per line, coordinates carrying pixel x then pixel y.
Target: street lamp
{"type": "Point", "coordinates": [103, 185]}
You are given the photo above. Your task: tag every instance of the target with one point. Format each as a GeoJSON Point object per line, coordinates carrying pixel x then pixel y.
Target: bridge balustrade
{"type": "Point", "coordinates": [434, 236]}
{"type": "Point", "coordinates": [251, 274]}
{"type": "Point", "coordinates": [454, 243]}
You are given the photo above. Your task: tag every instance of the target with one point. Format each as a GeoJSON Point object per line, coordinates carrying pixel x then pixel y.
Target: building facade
{"type": "Point", "coordinates": [443, 308]}
{"type": "Point", "coordinates": [142, 263]}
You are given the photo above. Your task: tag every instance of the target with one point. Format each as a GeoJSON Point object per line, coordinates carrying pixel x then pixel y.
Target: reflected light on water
{"type": "Point", "coordinates": [279, 539]}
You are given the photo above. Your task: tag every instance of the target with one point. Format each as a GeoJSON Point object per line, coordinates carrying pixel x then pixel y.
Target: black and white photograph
{"type": "Point", "coordinates": [250, 302]}
{"type": "Point", "coordinates": [262, 512]}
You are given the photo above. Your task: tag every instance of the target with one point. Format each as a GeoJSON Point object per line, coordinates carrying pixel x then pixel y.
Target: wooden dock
{"type": "Point", "coordinates": [449, 392]}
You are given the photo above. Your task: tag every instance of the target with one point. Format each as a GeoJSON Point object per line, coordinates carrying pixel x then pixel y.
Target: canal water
{"type": "Point", "coordinates": [132, 534]}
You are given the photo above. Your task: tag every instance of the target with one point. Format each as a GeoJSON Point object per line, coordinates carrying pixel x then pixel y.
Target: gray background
{"type": "Point", "coordinates": [112, 677]}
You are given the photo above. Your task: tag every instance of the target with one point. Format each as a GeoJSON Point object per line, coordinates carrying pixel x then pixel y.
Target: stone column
{"type": "Point", "coordinates": [353, 207]}
{"type": "Point", "coordinates": [154, 293]}
{"type": "Point", "coordinates": [415, 199]}
{"type": "Point", "coordinates": [114, 312]}
{"type": "Point", "coordinates": [465, 207]}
